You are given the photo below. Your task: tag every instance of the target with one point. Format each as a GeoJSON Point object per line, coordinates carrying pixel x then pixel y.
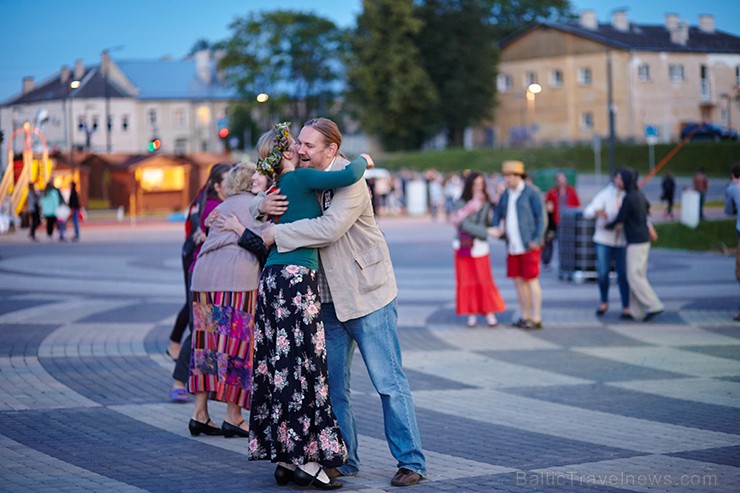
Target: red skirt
{"type": "Point", "coordinates": [476, 292]}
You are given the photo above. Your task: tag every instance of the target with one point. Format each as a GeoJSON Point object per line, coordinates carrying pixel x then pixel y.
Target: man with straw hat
{"type": "Point", "coordinates": [524, 228]}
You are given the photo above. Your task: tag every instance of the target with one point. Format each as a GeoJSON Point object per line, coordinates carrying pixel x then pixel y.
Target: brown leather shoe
{"type": "Point", "coordinates": [333, 472]}
{"type": "Point", "coordinates": [405, 477]}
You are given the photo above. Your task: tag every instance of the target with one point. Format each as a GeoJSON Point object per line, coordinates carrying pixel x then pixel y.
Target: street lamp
{"type": "Point", "coordinates": [262, 97]}
{"type": "Point", "coordinates": [532, 91]}
{"type": "Point", "coordinates": [70, 127]}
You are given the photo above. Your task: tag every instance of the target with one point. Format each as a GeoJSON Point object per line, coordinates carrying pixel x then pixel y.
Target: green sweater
{"type": "Point", "coordinates": [301, 186]}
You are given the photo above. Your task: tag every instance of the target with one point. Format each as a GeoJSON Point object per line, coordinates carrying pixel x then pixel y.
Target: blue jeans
{"type": "Point", "coordinates": [76, 222]}
{"type": "Point", "coordinates": [605, 255]}
{"type": "Point", "coordinates": [376, 335]}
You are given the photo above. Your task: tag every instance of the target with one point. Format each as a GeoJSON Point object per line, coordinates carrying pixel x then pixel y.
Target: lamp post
{"type": "Point", "coordinates": [532, 91]}
{"type": "Point", "coordinates": [70, 127]}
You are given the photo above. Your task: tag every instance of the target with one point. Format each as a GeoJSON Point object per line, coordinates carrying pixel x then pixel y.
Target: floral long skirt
{"type": "Point", "coordinates": [223, 346]}
{"type": "Point", "coordinates": [291, 419]}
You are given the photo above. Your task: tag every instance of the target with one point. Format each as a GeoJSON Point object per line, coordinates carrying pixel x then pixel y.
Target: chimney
{"type": "Point", "coordinates": [588, 20]}
{"type": "Point", "coordinates": [64, 74]}
{"type": "Point", "coordinates": [79, 71]}
{"type": "Point", "coordinates": [203, 65]}
{"type": "Point", "coordinates": [620, 22]}
{"type": "Point", "coordinates": [104, 63]}
{"type": "Point", "coordinates": [706, 23]}
{"type": "Point", "coordinates": [671, 21]}
{"type": "Point", "coordinates": [680, 35]}
{"type": "Point", "coordinates": [28, 85]}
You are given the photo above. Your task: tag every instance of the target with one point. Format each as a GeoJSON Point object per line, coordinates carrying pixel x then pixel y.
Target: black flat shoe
{"type": "Point", "coordinates": [601, 311]}
{"type": "Point", "coordinates": [231, 430]}
{"type": "Point", "coordinates": [283, 475]}
{"type": "Point", "coordinates": [302, 478]}
{"type": "Point", "coordinates": [196, 428]}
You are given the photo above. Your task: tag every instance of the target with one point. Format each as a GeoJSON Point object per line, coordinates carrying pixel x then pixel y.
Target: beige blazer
{"type": "Point", "coordinates": [352, 249]}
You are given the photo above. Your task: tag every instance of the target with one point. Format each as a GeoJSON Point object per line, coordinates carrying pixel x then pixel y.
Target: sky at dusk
{"type": "Point", "coordinates": [39, 37]}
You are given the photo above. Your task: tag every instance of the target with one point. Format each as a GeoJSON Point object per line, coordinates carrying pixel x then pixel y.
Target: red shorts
{"type": "Point", "coordinates": [526, 265]}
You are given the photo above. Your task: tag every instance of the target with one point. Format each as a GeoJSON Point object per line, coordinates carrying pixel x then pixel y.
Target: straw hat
{"type": "Point", "coordinates": [512, 167]}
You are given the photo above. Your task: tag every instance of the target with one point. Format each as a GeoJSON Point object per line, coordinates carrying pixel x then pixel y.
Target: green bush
{"type": "Point", "coordinates": [714, 236]}
{"type": "Point", "coordinates": [715, 157]}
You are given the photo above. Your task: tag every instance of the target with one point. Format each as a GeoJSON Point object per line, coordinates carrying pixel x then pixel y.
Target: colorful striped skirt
{"type": "Point", "coordinates": [223, 346]}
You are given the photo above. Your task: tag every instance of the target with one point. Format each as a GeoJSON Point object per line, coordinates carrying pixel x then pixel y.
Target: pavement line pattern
{"type": "Point", "coordinates": [640, 474]}
{"type": "Point", "coordinates": [708, 390]}
{"type": "Point", "coordinates": [668, 359]}
{"type": "Point", "coordinates": [597, 427]}
{"type": "Point", "coordinates": [17, 470]}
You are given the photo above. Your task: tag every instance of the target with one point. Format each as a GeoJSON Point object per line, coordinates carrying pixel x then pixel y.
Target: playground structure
{"type": "Point", "coordinates": [31, 168]}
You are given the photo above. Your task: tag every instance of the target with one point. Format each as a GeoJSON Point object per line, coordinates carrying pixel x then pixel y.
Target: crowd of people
{"type": "Point", "coordinates": [528, 219]}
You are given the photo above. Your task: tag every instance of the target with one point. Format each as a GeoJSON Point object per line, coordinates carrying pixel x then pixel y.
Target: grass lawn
{"type": "Point", "coordinates": [713, 236]}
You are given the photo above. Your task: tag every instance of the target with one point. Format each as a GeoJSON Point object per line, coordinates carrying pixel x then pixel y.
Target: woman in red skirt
{"type": "Point", "coordinates": [476, 291]}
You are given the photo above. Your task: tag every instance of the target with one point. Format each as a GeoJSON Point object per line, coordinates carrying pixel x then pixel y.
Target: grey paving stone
{"type": "Point", "coordinates": [639, 405]}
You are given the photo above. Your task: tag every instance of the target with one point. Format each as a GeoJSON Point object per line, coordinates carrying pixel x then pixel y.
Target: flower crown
{"type": "Point", "coordinates": [280, 144]}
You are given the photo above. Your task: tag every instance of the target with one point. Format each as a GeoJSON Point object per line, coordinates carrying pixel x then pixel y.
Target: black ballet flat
{"type": "Point", "coordinates": [196, 428]}
{"type": "Point", "coordinates": [283, 475]}
{"type": "Point", "coordinates": [231, 430]}
{"type": "Point", "coordinates": [302, 478]}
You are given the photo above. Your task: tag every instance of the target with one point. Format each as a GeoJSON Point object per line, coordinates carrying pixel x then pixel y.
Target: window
{"type": "Point", "coordinates": [530, 78]}
{"type": "Point", "coordinates": [179, 119]}
{"type": "Point", "coordinates": [153, 118]}
{"type": "Point", "coordinates": [587, 120]}
{"type": "Point", "coordinates": [556, 78]}
{"type": "Point", "coordinates": [643, 72]}
{"type": "Point", "coordinates": [124, 123]}
{"type": "Point", "coordinates": [584, 76]}
{"type": "Point", "coordinates": [737, 75]}
{"type": "Point", "coordinates": [504, 83]}
{"type": "Point", "coordinates": [675, 72]}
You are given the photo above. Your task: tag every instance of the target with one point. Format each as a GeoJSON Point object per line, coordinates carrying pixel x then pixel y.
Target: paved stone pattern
{"type": "Point", "coordinates": [585, 405]}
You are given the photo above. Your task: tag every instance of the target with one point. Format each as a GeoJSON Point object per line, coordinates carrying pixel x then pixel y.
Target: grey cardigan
{"type": "Point", "coordinates": [222, 265]}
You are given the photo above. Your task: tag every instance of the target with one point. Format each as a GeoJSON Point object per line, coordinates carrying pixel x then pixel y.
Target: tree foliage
{"type": "Point", "coordinates": [388, 85]}
{"type": "Point", "coordinates": [508, 16]}
{"type": "Point", "coordinates": [458, 50]}
{"type": "Point", "coordinates": [291, 56]}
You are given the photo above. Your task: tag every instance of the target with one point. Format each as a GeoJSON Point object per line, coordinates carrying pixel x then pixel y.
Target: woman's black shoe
{"type": "Point", "coordinates": [231, 430]}
{"type": "Point", "coordinates": [283, 475]}
{"type": "Point", "coordinates": [302, 478]}
{"type": "Point", "coordinates": [196, 428]}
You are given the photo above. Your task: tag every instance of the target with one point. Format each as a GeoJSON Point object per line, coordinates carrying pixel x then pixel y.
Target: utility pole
{"type": "Point", "coordinates": [610, 107]}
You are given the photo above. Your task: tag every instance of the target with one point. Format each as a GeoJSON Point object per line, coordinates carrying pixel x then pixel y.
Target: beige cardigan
{"type": "Point", "coordinates": [223, 265]}
{"type": "Point", "coordinates": [353, 251]}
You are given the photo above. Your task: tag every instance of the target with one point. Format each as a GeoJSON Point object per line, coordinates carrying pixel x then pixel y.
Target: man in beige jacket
{"type": "Point", "coordinates": [358, 295]}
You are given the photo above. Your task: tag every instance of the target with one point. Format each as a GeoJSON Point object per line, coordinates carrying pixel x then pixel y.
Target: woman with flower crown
{"type": "Point", "coordinates": [291, 421]}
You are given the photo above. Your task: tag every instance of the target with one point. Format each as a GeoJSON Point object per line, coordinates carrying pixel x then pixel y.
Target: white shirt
{"type": "Point", "coordinates": [608, 200]}
{"type": "Point", "coordinates": [514, 237]}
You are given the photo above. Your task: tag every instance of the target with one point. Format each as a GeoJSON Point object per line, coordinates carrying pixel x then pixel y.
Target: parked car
{"type": "Point", "coordinates": [708, 131]}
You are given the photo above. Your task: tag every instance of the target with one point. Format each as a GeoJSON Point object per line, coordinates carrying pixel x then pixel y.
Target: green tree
{"type": "Point", "coordinates": [508, 16]}
{"type": "Point", "coordinates": [458, 50]}
{"type": "Point", "coordinates": [291, 56]}
{"type": "Point", "coordinates": [390, 90]}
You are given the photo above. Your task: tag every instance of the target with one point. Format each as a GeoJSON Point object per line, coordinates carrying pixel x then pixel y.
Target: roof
{"type": "Point", "coordinates": [642, 37]}
{"type": "Point", "coordinates": [154, 79]}
{"type": "Point", "coordinates": [173, 79]}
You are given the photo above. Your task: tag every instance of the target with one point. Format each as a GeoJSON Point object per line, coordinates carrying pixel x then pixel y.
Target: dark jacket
{"type": "Point", "coordinates": [634, 211]}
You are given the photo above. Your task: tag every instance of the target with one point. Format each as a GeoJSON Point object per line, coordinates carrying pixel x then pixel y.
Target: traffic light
{"type": "Point", "coordinates": [223, 132]}
{"type": "Point", "coordinates": [154, 144]}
